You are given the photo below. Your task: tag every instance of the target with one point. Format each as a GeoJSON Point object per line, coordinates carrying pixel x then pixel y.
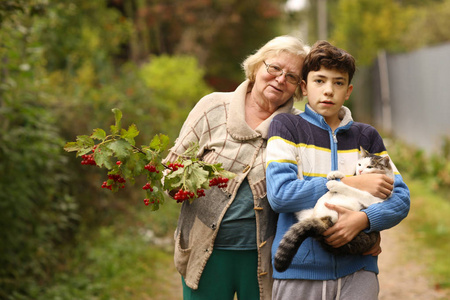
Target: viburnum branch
{"type": "Point", "coordinates": [185, 179]}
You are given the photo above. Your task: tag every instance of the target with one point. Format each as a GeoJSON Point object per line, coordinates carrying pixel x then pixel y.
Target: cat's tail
{"type": "Point", "coordinates": [294, 237]}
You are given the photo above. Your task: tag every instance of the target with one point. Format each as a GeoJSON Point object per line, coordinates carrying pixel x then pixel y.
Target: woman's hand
{"type": "Point", "coordinates": [349, 224]}
{"type": "Point", "coordinates": [379, 185]}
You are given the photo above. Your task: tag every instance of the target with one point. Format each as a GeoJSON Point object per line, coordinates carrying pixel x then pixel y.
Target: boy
{"type": "Point", "coordinates": [302, 149]}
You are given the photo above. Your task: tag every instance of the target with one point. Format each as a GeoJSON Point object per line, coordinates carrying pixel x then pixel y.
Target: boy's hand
{"type": "Point", "coordinates": [349, 224]}
{"type": "Point", "coordinates": [378, 185]}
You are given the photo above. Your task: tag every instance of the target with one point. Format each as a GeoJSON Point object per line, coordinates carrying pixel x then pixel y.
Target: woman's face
{"type": "Point", "coordinates": [271, 91]}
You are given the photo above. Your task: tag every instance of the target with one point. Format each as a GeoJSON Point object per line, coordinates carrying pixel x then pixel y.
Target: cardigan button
{"type": "Point", "coordinates": [263, 273]}
{"type": "Point", "coordinates": [246, 169]}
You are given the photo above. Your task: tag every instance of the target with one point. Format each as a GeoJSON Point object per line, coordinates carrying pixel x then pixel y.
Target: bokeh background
{"type": "Point", "coordinates": [64, 64]}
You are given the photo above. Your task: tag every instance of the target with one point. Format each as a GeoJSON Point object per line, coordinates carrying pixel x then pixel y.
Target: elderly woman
{"type": "Point", "coordinates": [223, 240]}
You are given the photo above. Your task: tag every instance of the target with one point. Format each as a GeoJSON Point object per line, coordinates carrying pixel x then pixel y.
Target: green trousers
{"type": "Point", "coordinates": [227, 272]}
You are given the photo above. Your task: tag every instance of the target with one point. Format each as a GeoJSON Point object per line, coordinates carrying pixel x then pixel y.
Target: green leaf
{"type": "Point", "coordinates": [187, 163]}
{"type": "Point", "coordinates": [130, 134]}
{"type": "Point", "coordinates": [164, 139]}
{"type": "Point", "coordinates": [227, 174]}
{"type": "Point", "coordinates": [192, 150]}
{"type": "Point", "coordinates": [197, 176]}
{"type": "Point", "coordinates": [159, 142]}
{"type": "Point", "coordinates": [118, 116]}
{"type": "Point", "coordinates": [83, 145]}
{"type": "Point", "coordinates": [98, 134]}
{"type": "Point", "coordinates": [121, 148]}
{"type": "Point", "coordinates": [136, 162]}
{"type": "Point", "coordinates": [72, 146]}
{"type": "Point", "coordinates": [103, 156]}
{"type": "Point", "coordinates": [85, 141]}
{"type": "Point", "coordinates": [174, 180]}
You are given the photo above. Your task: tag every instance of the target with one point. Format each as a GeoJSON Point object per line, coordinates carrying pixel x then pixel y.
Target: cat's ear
{"type": "Point", "coordinates": [385, 161]}
{"type": "Point", "coordinates": [364, 153]}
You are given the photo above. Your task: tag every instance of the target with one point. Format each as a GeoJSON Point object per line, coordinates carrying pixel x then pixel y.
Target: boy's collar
{"type": "Point", "coordinates": [345, 115]}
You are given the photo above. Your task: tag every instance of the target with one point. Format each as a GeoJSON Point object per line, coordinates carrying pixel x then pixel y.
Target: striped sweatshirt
{"type": "Point", "coordinates": [302, 149]}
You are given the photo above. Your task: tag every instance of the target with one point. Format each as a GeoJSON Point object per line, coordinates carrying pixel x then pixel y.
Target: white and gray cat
{"type": "Point", "coordinates": [314, 222]}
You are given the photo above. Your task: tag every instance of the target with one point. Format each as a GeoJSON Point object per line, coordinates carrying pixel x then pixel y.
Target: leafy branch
{"type": "Point", "coordinates": [185, 179]}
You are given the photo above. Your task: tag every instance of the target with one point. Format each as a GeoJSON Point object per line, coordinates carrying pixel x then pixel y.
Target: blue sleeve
{"type": "Point", "coordinates": [285, 191]}
{"type": "Point", "coordinates": [392, 211]}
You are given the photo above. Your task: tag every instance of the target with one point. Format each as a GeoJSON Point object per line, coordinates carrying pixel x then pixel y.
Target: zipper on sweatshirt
{"type": "Point", "coordinates": [334, 156]}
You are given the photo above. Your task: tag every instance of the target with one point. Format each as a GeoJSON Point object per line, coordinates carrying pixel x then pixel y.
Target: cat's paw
{"type": "Point", "coordinates": [333, 185]}
{"type": "Point", "coordinates": [335, 175]}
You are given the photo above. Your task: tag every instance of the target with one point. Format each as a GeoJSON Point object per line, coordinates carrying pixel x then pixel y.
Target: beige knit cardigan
{"type": "Point", "coordinates": [218, 124]}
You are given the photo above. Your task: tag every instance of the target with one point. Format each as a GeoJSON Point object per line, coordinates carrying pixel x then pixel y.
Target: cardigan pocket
{"type": "Point", "coordinates": [209, 156]}
{"type": "Point", "coordinates": [181, 256]}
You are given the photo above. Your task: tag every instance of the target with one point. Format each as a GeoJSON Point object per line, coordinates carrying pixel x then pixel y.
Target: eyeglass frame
{"type": "Point", "coordinates": [297, 82]}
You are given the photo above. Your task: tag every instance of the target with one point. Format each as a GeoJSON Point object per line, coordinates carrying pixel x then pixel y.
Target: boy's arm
{"type": "Point", "coordinates": [389, 213]}
{"type": "Point", "coordinates": [376, 217]}
{"type": "Point", "coordinates": [285, 192]}
{"type": "Point", "coordinates": [349, 224]}
{"type": "Point", "coordinates": [378, 185]}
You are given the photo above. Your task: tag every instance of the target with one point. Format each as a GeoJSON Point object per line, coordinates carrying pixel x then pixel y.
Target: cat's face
{"type": "Point", "coordinates": [374, 164]}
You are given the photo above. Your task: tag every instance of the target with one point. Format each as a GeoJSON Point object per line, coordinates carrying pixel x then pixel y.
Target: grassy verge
{"type": "Point", "coordinates": [122, 261]}
{"type": "Point", "coordinates": [430, 224]}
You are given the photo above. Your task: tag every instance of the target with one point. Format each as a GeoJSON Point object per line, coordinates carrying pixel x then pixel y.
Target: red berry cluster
{"type": "Point", "coordinates": [147, 186]}
{"type": "Point", "coordinates": [151, 168]}
{"type": "Point", "coordinates": [219, 181]}
{"type": "Point", "coordinates": [88, 159]}
{"type": "Point", "coordinates": [175, 166]}
{"type": "Point", "coordinates": [200, 193]}
{"type": "Point", "coordinates": [116, 178]}
{"type": "Point", "coordinates": [183, 195]}
{"type": "Point", "coordinates": [153, 201]}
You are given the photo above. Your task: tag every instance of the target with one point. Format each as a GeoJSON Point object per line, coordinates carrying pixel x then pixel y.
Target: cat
{"type": "Point", "coordinates": [313, 222]}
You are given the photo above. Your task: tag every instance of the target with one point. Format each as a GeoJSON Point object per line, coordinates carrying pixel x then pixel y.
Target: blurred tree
{"type": "Point", "coordinates": [220, 33]}
{"type": "Point", "coordinates": [430, 26]}
{"type": "Point", "coordinates": [364, 27]}
{"type": "Point", "coordinates": [37, 211]}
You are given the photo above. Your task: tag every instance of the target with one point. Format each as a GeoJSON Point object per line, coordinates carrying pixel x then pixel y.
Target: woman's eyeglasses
{"type": "Point", "coordinates": [278, 71]}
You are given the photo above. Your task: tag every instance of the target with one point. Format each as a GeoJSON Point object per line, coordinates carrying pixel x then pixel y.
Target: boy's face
{"type": "Point", "coordinates": [327, 90]}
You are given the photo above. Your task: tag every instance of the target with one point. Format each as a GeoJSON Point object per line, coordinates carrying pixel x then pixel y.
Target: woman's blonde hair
{"type": "Point", "coordinates": [275, 47]}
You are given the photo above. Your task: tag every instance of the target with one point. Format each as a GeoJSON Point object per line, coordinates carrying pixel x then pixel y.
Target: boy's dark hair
{"type": "Point", "coordinates": [323, 54]}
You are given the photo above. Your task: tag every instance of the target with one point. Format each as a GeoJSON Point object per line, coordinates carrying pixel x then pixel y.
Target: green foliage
{"type": "Point", "coordinates": [430, 225]}
{"type": "Point", "coordinates": [36, 209]}
{"type": "Point", "coordinates": [433, 169]}
{"type": "Point", "coordinates": [364, 27]}
{"type": "Point", "coordinates": [124, 161]}
{"type": "Point", "coordinates": [57, 79]}
{"type": "Point", "coordinates": [113, 265]}
{"type": "Point", "coordinates": [78, 35]}
{"type": "Point", "coordinates": [174, 78]}
{"type": "Point", "coordinates": [432, 25]}
{"type": "Point", "coordinates": [176, 83]}
{"type": "Point", "coordinates": [220, 33]}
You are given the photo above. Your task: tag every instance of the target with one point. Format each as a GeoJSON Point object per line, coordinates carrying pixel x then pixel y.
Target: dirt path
{"type": "Point", "coordinates": [403, 278]}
